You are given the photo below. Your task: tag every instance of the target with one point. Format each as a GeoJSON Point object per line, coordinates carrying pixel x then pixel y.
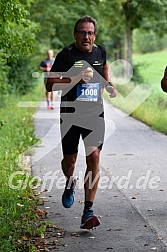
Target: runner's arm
{"type": "Point", "coordinates": [164, 81]}
{"type": "Point", "coordinates": [56, 82]}
{"type": "Point", "coordinates": [108, 85]}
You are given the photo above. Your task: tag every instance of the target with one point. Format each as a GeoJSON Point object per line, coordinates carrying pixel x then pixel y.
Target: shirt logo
{"type": "Point", "coordinates": [78, 64]}
{"type": "Point", "coordinates": [97, 63]}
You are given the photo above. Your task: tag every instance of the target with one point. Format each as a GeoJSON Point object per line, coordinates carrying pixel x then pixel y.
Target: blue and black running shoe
{"type": "Point", "coordinates": [89, 220]}
{"type": "Point", "coordinates": [68, 195]}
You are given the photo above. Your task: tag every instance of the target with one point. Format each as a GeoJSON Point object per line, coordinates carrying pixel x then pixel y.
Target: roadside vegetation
{"type": "Point", "coordinates": [152, 111]}
{"type": "Point", "coordinates": [18, 220]}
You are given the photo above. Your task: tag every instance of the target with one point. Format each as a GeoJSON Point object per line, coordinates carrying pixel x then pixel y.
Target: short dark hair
{"type": "Point", "coordinates": [85, 19]}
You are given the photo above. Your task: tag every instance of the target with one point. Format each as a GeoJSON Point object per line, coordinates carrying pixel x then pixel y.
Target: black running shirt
{"type": "Point", "coordinates": [69, 62]}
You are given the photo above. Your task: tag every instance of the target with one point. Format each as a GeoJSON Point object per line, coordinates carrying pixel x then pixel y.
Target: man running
{"type": "Point", "coordinates": [45, 66]}
{"type": "Point", "coordinates": [81, 72]}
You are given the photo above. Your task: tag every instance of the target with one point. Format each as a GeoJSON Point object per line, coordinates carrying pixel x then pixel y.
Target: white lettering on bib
{"type": "Point", "coordinates": [88, 92]}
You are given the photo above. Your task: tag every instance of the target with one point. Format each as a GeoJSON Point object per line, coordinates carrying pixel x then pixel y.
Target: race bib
{"type": "Point", "coordinates": [87, 92]}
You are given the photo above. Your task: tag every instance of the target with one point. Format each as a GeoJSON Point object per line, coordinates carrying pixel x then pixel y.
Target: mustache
{"type": "Point", "coordinates": [85, 40]}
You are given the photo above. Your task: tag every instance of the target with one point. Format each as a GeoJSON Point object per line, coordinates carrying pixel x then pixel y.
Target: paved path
{"type": "Point", "coordinates": [131, 200]}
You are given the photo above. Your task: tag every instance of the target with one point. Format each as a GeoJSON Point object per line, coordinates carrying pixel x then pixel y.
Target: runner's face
{"type": "Point", "coordinates": [85, 36]}
{"type": "Point", "coordinates": [50, 54]}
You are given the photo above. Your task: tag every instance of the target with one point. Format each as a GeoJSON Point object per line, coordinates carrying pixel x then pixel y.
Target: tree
{"type": "Point", "coordinates": [121, 17]}
{"type": "Point", "coordinates": [17, 31]}
{"type": "Point", "coordinates": [58, 20]}
{"type": "Point", "coordinates": [117, 20]}
{"type": "Point", "coordinates": [136, 13]}
{"type": "Point", "coordinates": [17, 37]}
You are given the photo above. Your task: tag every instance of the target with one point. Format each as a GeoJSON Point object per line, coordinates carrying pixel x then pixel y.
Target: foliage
{"type": "Point", "coordinates": [17, 134]}
{"type": "Point", "coordinates": [20, 75]}
{"type": "Point", "coordinates": [123, 16]}
{"type": "Point", "coordinates": [58, 20]}
{"type": "Point", "coordinates": [17, 31]}
{"type": "Point", "coordinates": [19, 21]}
{"type": "Point", "coordinates": [153, 111]}
{"type": "Point", "coordinates": [4, 87]}
{"type": "Point", "coordinates": [16, 40]}
{"type": "Point", "coordinates": [137, 77]}
{"type": "Point", "coordinates": [148, 41]}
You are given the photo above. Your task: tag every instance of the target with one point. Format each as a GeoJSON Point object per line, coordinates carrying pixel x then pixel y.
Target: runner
{"type": "Point", "coordinates": [45, 66]}
{"type": "Point", "coordinates": [164, 81]}
{"type": "Point", "coordinates": [81, 72]}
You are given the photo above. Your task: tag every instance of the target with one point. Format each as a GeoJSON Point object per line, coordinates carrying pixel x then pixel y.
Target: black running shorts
{"type": "Point", "coordinates": [91, 129]}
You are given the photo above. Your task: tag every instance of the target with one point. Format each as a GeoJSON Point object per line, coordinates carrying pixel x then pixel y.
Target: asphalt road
{"type": "Point", "coordinates": [131, 200]}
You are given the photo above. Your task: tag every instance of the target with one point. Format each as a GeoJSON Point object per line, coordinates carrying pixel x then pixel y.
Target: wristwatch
{"type": "Point", "coordinates": [109, 83]}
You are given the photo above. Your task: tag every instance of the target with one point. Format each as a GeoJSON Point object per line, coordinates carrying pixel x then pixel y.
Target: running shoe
{"type": "Point", "coordinates": [89, 220]}
{"type": "Point", "coordinates": [49, 105]}
{"type": "Point", "coordinates": [68, 195]}
{"type": "Point", "coordinates": [52, 106]}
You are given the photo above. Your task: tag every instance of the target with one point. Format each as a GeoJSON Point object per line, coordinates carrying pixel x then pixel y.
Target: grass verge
{"type": "Point", "coordinates": [153, 109]}
{"type": "Point", "coordinates": [18, 220]}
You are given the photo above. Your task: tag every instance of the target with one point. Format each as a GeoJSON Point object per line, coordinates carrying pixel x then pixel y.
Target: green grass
{"type": "Point", "coordinates": [153, 111]}
{"type": "Point", "coordinates": [153, 67]}
{"type": "Point", "coordinates": [16, 135]}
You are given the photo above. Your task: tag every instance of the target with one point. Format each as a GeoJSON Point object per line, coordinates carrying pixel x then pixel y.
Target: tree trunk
{"type": "Point", "coordinates": [128, 38]}
{"type": "Point", "coordinates": [128, 44]}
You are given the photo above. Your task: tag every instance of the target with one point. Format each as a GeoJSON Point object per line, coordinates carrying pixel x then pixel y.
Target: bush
{"type": "Point", "coordinates": [137, 77]}
{"type": "Point", "coordinates": [4, 87]}
{"type": "Point", "coordinates": [20, 76]}
{"type": "Point", "coordinates": [147, 41]}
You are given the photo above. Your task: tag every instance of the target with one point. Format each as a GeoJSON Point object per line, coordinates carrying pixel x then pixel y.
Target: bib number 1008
{"type": "Point", "coordinates": [89, 92]}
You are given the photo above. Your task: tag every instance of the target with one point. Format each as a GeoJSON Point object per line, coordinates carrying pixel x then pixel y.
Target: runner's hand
{"type": "Point", "coordinates": [111, 90]}
{"type": "Point", "coordinates": [87, 74]}
{"type": "Point", "coordinates": [48, 67]}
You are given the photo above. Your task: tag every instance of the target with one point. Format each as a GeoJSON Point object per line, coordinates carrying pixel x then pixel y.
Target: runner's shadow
{"type": "Point", "coordinates": [84, 233]}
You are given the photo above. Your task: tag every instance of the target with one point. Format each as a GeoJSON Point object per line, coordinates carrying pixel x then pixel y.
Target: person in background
{"type": "Point", "coordinates": [45, 66]}
{"type": "Point", "coordinates": [164, 81]}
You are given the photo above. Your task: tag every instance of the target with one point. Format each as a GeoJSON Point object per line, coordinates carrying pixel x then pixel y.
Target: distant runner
{"type": "Point", "coordinates": [45, 66]}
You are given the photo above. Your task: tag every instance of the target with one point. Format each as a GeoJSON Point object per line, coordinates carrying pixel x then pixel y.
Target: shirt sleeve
{"type": "Point", "coordinates": [60, 62]}
{"type": "Point", "coordinates": [43, 64]}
